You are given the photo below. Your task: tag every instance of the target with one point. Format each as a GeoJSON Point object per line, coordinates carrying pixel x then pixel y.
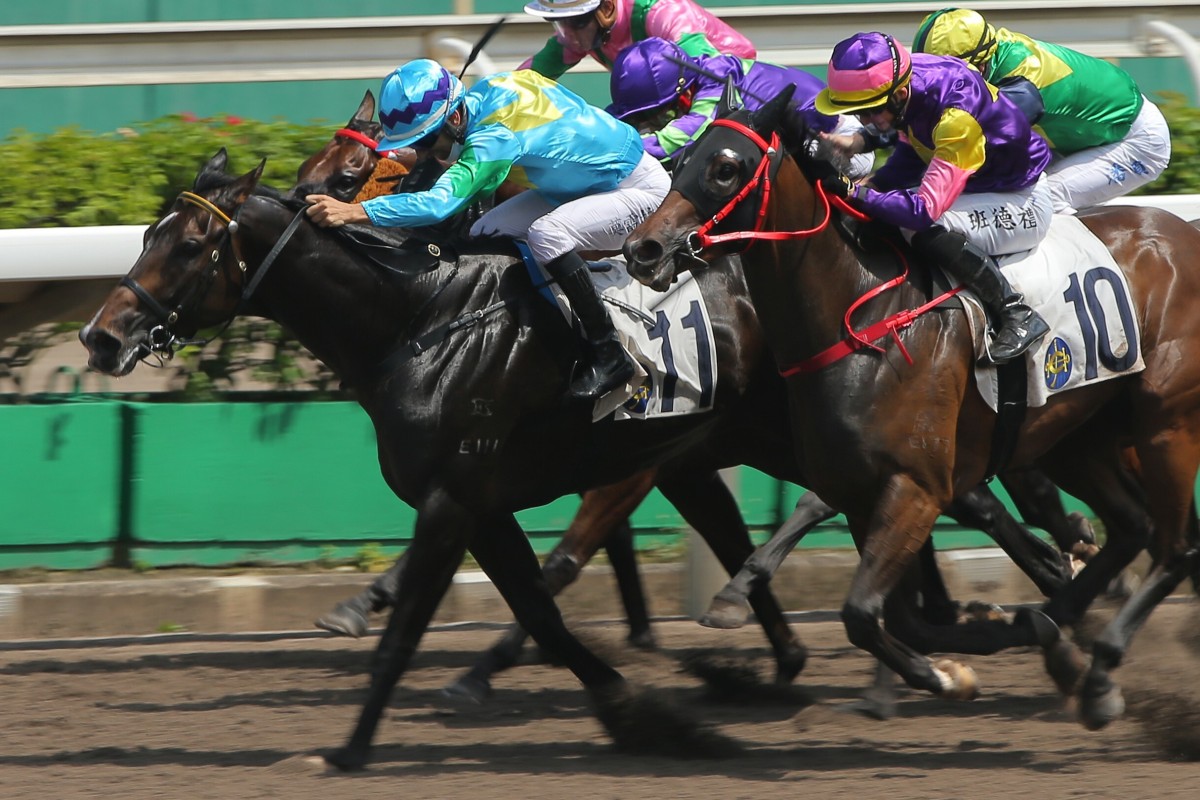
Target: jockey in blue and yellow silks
{"type": "Point", "coordinates": [590, 181]}
{"type": "Point", "coordinates": [965, 177]}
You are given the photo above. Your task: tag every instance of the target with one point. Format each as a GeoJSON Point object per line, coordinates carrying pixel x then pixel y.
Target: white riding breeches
{"type": "Point", "coordinates": [1001, 223]}
{"type": "Point", "coordinates": [599, 222]}
{"type": "Point", "coordinates": [1101, 173]}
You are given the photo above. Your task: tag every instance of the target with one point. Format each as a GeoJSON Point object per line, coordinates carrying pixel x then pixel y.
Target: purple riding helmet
{"type": "Point", "coordinates": [648, 75]}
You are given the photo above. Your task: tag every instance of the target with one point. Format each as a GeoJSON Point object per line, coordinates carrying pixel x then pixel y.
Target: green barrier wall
{"type": "Point", "coordinates": [91, 483]}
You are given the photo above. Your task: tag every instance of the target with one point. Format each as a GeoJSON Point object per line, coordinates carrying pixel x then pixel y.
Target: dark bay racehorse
{"type": "Point", "coordinates": [690, 481]}
{"type": "Point", "coordinates": [472, 424]}
{"type": "Point", "coordinates": [891, 443]}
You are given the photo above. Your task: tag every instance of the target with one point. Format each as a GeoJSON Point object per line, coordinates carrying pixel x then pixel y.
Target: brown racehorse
{"type": "Point", "coordinates": [891, 443]}
{"type": "Point", "coordinates": [348, 162]}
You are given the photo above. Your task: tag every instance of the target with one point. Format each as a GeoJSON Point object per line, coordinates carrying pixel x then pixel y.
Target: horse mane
{"type": "Point", "coordinates": [384, 180]}
{"type": "Point", "coordinates": [210, 180]}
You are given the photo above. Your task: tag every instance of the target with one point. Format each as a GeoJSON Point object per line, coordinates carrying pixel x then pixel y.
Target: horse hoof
{"type": "Point", "coordinates": [979, 611]}
{"type": "Point", "coordinates": [872, 706]}
{"type": "Point", "coordinates": [725, 614]}
{"type": "Point", "coordinates": [470, 689]}
{"type": "Point", "coordinates": [344, 620]}
{"type": "Point", "coordinates": [1084, 532]}
{"type": "Point", "coordinates": [1099, 709]}
{"type": "Point", "coordinates": [790, 664]}
{"type": "Point", "coordinates": [1122, 586]}
{"type": "Point", "coordinates": [1045, 630]}
{"type": "Point", "coordinates": [642, 722]}
{"type": "Point", "coordinates": [346, 760]}
{"type": "Point", "coordinates": [643, 641]}
{"type": "Point", "coordinates": [958, 680]}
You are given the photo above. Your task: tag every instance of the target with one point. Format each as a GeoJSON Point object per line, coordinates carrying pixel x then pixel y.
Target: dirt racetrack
{"type": "Point", "coordinates": [234, 720]}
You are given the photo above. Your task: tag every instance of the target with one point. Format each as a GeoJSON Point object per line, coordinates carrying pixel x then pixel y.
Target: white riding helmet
{"type": "Point", "coordinates": [554, 9]}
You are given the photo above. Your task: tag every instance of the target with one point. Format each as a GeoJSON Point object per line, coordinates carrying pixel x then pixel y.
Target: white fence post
{"type": "Point", "coordinates": [703, 574]}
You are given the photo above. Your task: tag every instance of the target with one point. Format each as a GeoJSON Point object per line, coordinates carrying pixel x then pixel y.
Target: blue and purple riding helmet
{"type": "Point", "coordinates": [415, 101]}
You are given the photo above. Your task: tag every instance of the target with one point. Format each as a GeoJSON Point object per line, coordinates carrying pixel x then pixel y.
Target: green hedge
{"type": "Point", "coordinates": [75, 177]}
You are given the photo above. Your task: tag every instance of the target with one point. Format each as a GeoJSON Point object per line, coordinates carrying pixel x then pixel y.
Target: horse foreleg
{"type": "Point", "coordinates": [600, 515]}
{"type": "Point", "coordinates": [1100, 700]}
{"type": "Point", "coordinates": [1040, 504]}
{"type": "Point", "coordinates": [506, 556]}
{"type": "Point", "coordinates": [981, 509]}
{"type": "Point", "coordinates": [1167, 465]}
{"type": "Point", "coordinates": [731, 606]}
{"type": "Point", "coordinates": [622, 555]}
{"type": "Point", "coordinates": [1089, 466]}
{"type": "Point", "coordinates": [442, 531]}
{"type": "Point", "coordinates": [898, 527]}
{"type": "Point", "coordinates": [706, 503]}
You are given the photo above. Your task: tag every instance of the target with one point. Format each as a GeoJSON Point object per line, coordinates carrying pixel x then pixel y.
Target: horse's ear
{"type": "Point", "coordinates": [730, 100]}
{"type": "Point", "coordinates": [218, 162]}
{"type": "Point", "coordinates": [366, 110]}
{"type": "Point", "coordinates": [244, 186]}
{"type": "Point", "coordinates": [215, 167]}
{"type": "Point", "coordinates": [770, 114]}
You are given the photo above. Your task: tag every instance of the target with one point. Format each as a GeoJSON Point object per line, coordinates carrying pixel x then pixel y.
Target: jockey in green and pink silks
{"type": "Point", "coordinates": [603, 28]}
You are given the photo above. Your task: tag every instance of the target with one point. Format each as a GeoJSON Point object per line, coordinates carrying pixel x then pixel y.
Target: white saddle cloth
{"type": "Point", "coordinates": [1074, 283]}
{"type": "Point", "coordinates": [668, 334]}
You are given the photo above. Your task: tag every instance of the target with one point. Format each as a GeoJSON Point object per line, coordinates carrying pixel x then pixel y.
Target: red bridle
{"type": "Point", "coordinates": [361, 138]}
{"type": "Point", "coordinates": [855, 340]}
{"type": "Point", "coordinates": [762, 175]}
{"type": "Point", "coordinates": [364, 139]}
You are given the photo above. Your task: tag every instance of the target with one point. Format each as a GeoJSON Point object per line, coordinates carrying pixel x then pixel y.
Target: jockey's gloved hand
{"type": "Point", "coordinates": [838, 186]}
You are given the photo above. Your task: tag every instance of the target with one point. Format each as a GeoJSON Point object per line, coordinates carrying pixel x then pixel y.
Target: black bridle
{"type": "Point", "coordinates": [163, 341]}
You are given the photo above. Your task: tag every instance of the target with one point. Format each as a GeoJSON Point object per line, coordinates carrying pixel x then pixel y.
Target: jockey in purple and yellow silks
{"type": "Point", "coordinates": [590, 181]}
{"type": "Point", "coordinates": [603, 28]}
{"type": "Point", "coordinates": [966, 176]}
{"type": "Point", "coordinates": [671, 97]}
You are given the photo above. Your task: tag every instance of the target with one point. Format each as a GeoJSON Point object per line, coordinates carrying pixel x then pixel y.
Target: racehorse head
{"type": "Point", "coordinates": [344, 165]}
{"type": "Point", "coordinates": [189, 276]}
{"type": "Point", "coordinates": [720, 195]}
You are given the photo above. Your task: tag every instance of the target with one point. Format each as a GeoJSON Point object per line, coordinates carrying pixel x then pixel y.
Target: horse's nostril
{"type": "Point", "coordinates": [648, 251]}
{"type": "Point", "coordinates": [103, 346]}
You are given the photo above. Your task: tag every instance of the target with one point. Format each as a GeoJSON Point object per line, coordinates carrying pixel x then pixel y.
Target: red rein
{"type": "Point", "coordinates": [855, 340]}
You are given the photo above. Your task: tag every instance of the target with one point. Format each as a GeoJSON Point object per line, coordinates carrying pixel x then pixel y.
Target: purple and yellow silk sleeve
{"type": "Point", "coordinates": [958, 153]}
{"type": "Point", "coordinates": [917, 209]}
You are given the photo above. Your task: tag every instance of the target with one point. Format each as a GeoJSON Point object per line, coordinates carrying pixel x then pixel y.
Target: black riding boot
{"type": "Point", "coordinates": [609, 366]}
{"type": "Point", "coordinates": [1017, 326]}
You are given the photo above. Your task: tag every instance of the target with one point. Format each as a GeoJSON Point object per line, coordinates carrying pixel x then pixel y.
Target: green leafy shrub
{"type": "Point", "coordinates": [1183, 175]}
{"type": "Point", "coordinates": [74, 177]}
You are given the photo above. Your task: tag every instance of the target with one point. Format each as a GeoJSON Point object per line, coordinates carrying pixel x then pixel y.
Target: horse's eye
{"type": "Point", "coordinates": [189, 247]}
{"type": "Point", "coordinates": [727, 171]}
